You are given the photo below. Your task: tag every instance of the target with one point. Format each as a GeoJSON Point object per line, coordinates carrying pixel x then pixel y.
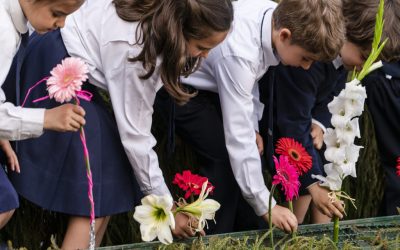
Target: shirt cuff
{"type": "Point", "coordinates": [259, 202]}
{"type": "Point", "coordinates": [319, 124]}
{"type": "Point", "coordinates": [159, 190]}
{"type": "Point", "coordinates": [31, 125]}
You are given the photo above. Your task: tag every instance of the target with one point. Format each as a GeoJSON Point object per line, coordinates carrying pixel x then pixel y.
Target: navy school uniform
{"type": "Point", "coordinates": [8, 195]}
{"type": "Point", "coordinates": [199, 123]}
{"type": "Point", "coordinates": [53, 170]}
{"type": "Point", "coordinates": [298, 96]}
{"type": "Point", "coordinates": [383, 102]}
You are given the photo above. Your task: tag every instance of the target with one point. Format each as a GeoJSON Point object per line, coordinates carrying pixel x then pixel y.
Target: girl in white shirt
{"type": "Point", "coordinates": [18, 123]}
{"type": "Point", "coordinates": [132, 48]}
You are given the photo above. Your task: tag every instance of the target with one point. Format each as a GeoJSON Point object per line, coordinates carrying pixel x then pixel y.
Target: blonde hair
{"type": "Point", "coordinates": [359, 16]}
{"type": "Point", "coordinates": [316, 25]}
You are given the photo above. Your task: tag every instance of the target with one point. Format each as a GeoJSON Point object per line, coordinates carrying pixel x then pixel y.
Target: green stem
{"type": "Point", "coordinates": [291, 209]}
{"type": "Point", "coordinates": [270, 216]}
{"type": "Point", "coordinates": [336, 230]}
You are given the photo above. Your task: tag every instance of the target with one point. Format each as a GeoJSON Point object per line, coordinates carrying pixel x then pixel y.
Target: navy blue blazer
{"type": "Point", "coordinates": [383, 102]}
{"type": "Point", "coordinates": [299, 96]}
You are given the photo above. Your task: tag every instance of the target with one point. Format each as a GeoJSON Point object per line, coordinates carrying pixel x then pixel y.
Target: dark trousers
{"type": "Point", "coordinates": [199, 124]}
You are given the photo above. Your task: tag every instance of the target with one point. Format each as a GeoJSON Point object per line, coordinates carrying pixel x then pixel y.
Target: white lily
{"type": "Point", "coordinates": [202, 209]}
{"type": "Point", "coordinates": [155, 218]}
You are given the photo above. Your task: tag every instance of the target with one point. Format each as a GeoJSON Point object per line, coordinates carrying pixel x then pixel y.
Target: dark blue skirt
{"type": "Point", "coordinates": [53, 170]}
{"type": "Point", "coordinates": [8, 196]}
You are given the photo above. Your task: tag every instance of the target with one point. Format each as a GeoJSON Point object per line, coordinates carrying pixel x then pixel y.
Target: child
{"type": "Point", "coordinates": [18, 123]}
{"type": "Point", "coordinates": [383, 86]}
{"type": "Point", "coordinates": [296, 32]}
{"type": "Point", "coordinates": [131, 47]}
{"type": "Point", "coordinates": [299, 96]}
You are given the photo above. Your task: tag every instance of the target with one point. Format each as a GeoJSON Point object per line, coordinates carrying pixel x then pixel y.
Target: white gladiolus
{"type": "Point", "coordinates": [155, 218]}
{"type": "Point", "coordinates": [333, 179]}
{"type": "Point", "coordinates": [347, 134]}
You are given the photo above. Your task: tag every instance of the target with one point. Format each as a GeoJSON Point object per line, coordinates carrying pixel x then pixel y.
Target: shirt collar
{"type": "Point", "coordinates": [17, 16]}
{"type": "Point", "coordinates": [269, 54]}
{"type": "Point", "coordinates": [337, 62]}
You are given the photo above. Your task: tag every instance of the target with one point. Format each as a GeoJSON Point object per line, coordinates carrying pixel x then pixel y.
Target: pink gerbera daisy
{"type": "Point", "coordinates": [398, 166]}
{"type": "Point", "coordinates": [297, 154]}
{"type": "Point", "coordinates": [67, 78]}
{"type": "Point", "coordinates": [287, 176]}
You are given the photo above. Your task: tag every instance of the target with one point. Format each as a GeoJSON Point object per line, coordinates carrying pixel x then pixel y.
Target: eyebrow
{"type": "Point", "coordinates": [60, 13]}
{"type": "Point", "coordinates": [202, 47]}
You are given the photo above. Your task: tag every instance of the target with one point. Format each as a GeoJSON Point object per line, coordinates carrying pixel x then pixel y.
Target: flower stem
{"type": "Point", "coordinates": [336, 230]}
{"type": "Point", "coordinates": [291, 209]}
{"type": "Point", "coordinates": [270, 216]}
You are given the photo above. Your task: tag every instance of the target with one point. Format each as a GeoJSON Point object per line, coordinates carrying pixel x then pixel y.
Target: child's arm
{"type": "Point", "coordinates": [12, 160]}
{"type": "Point", "coordinates": [317, 135]}
{"type": "Point", "coordinates": [235, 80]}
{"type": "Point", "coordinates": [18, 123]}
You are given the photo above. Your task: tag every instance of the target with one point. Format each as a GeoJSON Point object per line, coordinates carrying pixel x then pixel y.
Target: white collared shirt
{"type": "Point", "coordinates": [16, 123]}
{"type": "Point", "coordinates": [105, 42]}
{"type": "Point", "coordinates": [233, 69]}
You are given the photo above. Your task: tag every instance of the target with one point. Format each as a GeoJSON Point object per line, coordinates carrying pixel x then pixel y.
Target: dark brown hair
{"type": "Point", "coordinates": [360, 18]}
{"type": "Point", "coordinates": [164, 28]}
{"type": "Point", "coordinates": [316, 25]}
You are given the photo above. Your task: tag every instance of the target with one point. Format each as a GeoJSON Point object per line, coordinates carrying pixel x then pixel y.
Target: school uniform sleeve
{"type": "Point", "coordinates": [106, 42]}
{"type": "Point", "coordinates": [236, 77]}
{"type": "Point", "coordinates": [295, 95]}
{"type": "Point", "coordinates": [16, 123]}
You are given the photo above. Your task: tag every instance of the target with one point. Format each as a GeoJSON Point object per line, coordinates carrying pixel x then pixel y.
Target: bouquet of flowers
{"type": "Point", "coordinates": [156, 214]}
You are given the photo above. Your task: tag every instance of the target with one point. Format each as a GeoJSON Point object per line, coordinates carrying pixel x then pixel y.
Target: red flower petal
{"type": "Point", "coordinates": [296, 153]}
{"type": "Point", "coordinates": [191, 183]}
{"type": "Point", "coordinates": [398, 166]}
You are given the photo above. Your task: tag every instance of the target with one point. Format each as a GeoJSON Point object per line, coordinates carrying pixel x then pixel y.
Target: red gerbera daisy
{"type": "Point", "coordinates": [296, 153]}
{"type": "Point", "coordinates": [398, 166]}
{"type": "Point", "coordinates": [287, 176]}
{"type": "Point", "coordinates": [191, 183]}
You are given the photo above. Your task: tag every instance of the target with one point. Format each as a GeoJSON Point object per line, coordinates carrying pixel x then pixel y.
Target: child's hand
{"type": "Point", "coordinates": [182, 227]}
{"type": "Point", "coordinates": [67, 117]}
{"type": "Point", "coordinates": [317, 135]}
{"type": "Point", "coordinates": [322, 201]}
{"type": "Point", "coordinates": [260, 143]}
{"type": "Point", "coordinates": [12, 159]}
{"type": "Point", "coordinates": [283, 218]}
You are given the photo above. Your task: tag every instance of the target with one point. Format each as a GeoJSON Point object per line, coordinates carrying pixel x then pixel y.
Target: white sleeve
{"type": "Point", "coordinates": [316, 122]}
{"type": "Point", "coordinates": [236, 79]}
{"type": "Point", "coordinates": [132, 99]}
{"type": "Point", "coordinates": [16, 123]}
{"type": "Point", "coordinates": [83, 46]}
{"type": "Point", "coordinates": [258, 107]}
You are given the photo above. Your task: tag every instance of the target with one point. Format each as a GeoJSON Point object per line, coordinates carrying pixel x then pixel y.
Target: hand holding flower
{"type": "Point", "coordinates": [282, 218]}
{"type": "Point", "coordinates": [64, 118]}
{"type": "Point", "coordinates": [324, 204]}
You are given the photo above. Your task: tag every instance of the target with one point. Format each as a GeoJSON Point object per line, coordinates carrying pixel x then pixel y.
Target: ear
{"type": "Point", "coordinates": [285, 34]}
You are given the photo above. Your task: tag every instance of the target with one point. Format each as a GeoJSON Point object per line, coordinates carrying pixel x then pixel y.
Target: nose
{"type": "Point", "coordinates": [306, 65]}
{"type": "Point", "coordinates": [60, 23]}
{"type": "Point", "coordinates": [204, 54]}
